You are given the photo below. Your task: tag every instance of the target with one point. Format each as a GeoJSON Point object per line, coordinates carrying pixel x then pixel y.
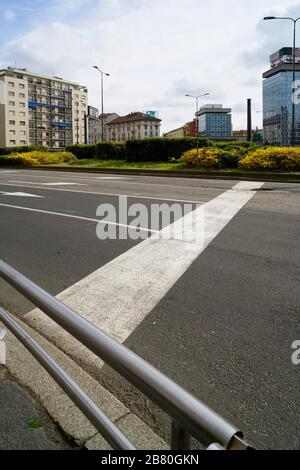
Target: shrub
{"type": "Point", "coordinates": [110, 151]}
{"type": "Point", "coordinates": [23, 149]}
{"type": "Point", "coordinates": [160, 149]}
{"type": "Point", "coordinates": [82, 151]}
{"type": "Point", "coordinates": [37, 158]}
{"type": "Point", "coordinates": [235, 144]}
{"type": "Point", "coordinates": [271, 158]}
{"type": "Point", "coordinates": [230, 159]}
{"type": "Point", "coordinates": [206, 158]}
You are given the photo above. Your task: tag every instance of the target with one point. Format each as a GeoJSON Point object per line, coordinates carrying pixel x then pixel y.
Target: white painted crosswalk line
{"type": "Point", "coordinates": [118, 296]}
{"type": "Point", "coordinates": [19, 194]}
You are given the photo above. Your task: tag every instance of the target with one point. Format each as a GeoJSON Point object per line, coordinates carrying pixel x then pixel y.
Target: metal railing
{"type": "Point", "coordinates": [190, 417]}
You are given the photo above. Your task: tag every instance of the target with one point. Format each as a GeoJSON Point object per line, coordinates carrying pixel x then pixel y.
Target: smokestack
{"type": "Point", "coordinates": [249, 120]}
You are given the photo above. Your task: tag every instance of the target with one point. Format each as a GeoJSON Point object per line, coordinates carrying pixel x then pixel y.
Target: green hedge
{"type": "Point", "coordinates": [110, 151]}
{"type": "Point", "coordinates": [82, 151]}
{"type": "Point", "coordinates": [26, 148]}
{"type": "Point", "coordinates": [160, 149]}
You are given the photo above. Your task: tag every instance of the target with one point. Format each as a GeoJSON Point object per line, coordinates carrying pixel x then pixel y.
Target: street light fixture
{"type": "Point", "coordinates": [196, 97]}
{"type": "Point", "coordinates": [102, 97]}
{"type": "Point", "coordinates": [294, 20]}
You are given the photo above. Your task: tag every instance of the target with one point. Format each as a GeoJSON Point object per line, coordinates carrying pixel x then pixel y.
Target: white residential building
{"type": "Point", "coordinates": [41, 111]}
{"type": "Point", "coordinates": [133, 126]}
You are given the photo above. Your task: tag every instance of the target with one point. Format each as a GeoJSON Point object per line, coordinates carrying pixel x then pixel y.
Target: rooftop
{"type": "Point", "coordinates": [213, 108]}
{"type": "Point", "coordinates": [37, 75]}
{"type": "Point", "coordinates": [280, 68]}
{"type": "Point", "coordinates": [134, 117]}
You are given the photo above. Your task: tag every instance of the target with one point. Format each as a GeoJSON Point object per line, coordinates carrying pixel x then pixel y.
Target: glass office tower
{"type": "Point", "coordinates": [214, 121]}
{"type": "Point", "coordinates": [277, 105]}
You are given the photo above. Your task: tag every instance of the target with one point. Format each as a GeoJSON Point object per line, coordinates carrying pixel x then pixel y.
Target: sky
{"type": "Point", "coordinates": [155, 51]}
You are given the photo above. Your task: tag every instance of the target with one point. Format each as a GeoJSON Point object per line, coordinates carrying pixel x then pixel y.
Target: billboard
{"type": "Point", "coordinates": [284, 56]}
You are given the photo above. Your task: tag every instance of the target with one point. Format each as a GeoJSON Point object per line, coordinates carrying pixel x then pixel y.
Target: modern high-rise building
{"type": "Point", "coordinates": [277, 99]}
{"type": "Point", "coordinates": [214, 121]}
{"type": "Point", "coordinates": [41, 111]}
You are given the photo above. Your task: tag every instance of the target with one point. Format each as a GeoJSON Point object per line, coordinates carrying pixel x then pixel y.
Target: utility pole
{"type": "Point", "coordinates": [197, 109]}
{"type": "Point", "coordinates": [102, 98]}
{"type": "Point", "coordinates": [249, 119]}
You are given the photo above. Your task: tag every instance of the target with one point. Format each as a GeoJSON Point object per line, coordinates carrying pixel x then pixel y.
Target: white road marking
{"type": "Point", "coordinates": [117, 297]}
{"type": "Point", "coordinates": [133, 196]}
{"type": "Point", "coordinates": [18, 194]}
{"type": "Point", "coordinates": [110, 177]}
{"type": "Point", "coordinates": [47, 184]}
{"type": "Point", "coordinates": [71, 216]}
{"type": "Point", "coordinates": [62, 184]}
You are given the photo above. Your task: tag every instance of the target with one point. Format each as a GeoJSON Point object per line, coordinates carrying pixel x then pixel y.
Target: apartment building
{"type": "Point", "coordinates": [41, 111]}
{"type": "Point", "coordinates": [94, 125]}
{"type": "Point", "coordinates": [133, 126]}
{"type": "Point", "coordinates": [94, 122]}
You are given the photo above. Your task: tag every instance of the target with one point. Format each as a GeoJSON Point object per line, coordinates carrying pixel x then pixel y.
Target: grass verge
{"type": "Point", "coordinates": [123, 165]}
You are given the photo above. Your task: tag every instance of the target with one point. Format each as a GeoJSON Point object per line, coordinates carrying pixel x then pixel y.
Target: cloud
{"type": "Point", "coordinates": [156, 52]}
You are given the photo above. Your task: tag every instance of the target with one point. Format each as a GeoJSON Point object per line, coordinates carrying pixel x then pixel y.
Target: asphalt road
{"type": "Point", "coordinates": [24, 425]}
{"type": "Point", "coordinates": [223, 330]}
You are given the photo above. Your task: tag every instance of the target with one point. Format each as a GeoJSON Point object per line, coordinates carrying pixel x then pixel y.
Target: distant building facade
{"type": "Point", "coordinates": [242, 135]}
{"type": "Point", "coordinates": [277, 99]}
{"type": "Point", "coordinates": [107, 118]}
{"type": "Point", "coordinates": [175, 133]}
{"type": "Point", "coordinates": [133, 126]}
{"type": "Point", "coordinates": [214, 121]}
{"type": "Point", "coordinates": [189, 129]}
{"type": "Point", "coordinates": [41, 111]}
{"type": "Point", "coordinates": [94, 124]}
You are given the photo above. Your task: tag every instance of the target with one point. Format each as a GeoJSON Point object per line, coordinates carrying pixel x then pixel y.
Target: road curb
{"type": "Point", "coordinates": [246, 176]}
{"type": "Point", "coordinates": [29, 373]}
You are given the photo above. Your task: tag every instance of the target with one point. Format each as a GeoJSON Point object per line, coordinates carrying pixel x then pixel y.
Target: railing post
{"type": "Point", "coordinates": [180, 439]}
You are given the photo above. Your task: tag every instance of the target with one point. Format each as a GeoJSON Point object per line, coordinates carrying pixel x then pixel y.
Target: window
{"type": "Point", "coordinates": [21, 86]}
{"type": "Point", "coordinates": [12, 132]}
{"type": "Point", "coordinates": [12, 142]}
{"type": "Point", "coordinates": [22, 113]}
{"type": "Point", "coordinates": [11, 84]}
{"type": "Point", "coordinates": [11, 103]}
{"type": "Point", "coordinates": [12, 123]}
{"type": "Point", "coordinates": [22, 133]}
{"type": "Point", "coordinates": [22, 123]}
{"type": "Point", "coordinates": [23, 142]}
{"type": "Point", "coordinates": [11, 93]}
{"type": "Point", "coordinates": [22, 105]}
{"type": "Point", "coordinates": [12, 113]}
{"type": "Point", "coordinates": [22, 95]}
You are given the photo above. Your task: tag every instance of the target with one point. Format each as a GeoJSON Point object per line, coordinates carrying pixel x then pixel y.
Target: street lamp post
{"type": "Point", "coordinates": [102, 98]}
{"type": "Point", "coordinates": [197, 109]}
{"type": "Point", "coordinates": [294, 20]}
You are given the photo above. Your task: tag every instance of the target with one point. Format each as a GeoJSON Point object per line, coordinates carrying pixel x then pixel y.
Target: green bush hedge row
{"type": "Point", "coordinates": [159, 149]}
{"type": "Point", "coordinates": [26, 148]}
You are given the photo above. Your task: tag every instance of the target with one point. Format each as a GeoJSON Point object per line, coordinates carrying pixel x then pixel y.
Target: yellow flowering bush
{"type": "Point", "coordinates": [208, 157]}
{"type": "Point", "coordinates": [40, 158]}
{"type": "Point", "coordinates": [272, 158]}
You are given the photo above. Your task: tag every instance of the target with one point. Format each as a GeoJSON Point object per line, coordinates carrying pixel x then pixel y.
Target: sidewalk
{"type": "Point", "coordinates": [24, 425]}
